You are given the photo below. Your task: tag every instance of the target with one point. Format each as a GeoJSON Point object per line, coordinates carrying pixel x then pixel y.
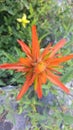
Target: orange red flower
{"type": "Point", "coordinates": [38, 66]}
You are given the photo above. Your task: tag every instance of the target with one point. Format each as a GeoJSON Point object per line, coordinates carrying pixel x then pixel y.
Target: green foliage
{"type": "Point", "coordinates": [54, 21]}
{"type": "Point", "coordinates": [68, 66]}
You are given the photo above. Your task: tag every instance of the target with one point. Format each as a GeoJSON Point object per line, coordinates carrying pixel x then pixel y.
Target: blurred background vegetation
{"type": "Point", "coordinates": [54, 20]}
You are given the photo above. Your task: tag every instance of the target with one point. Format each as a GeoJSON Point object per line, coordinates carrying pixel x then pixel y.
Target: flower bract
{"type": "Point", "coordinates": [38, 67]}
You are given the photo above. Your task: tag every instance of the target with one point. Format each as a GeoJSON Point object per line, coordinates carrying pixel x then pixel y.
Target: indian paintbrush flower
{"type": "Point", "coordinates": [23, 20]}
{"type": "Point", "coordinates": [37, 66]}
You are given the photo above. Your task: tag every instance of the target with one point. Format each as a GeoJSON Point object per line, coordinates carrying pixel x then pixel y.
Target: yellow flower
{"type": "Point", "coordinates": [23, 20]}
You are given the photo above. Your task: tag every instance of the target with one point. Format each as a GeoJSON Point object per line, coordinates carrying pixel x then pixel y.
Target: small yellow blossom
{"type": "Point", "coordinates": [23, 20]}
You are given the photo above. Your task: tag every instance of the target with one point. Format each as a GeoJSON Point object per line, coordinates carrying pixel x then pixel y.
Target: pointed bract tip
{"type": "Point", "coordinates": [33, 27]}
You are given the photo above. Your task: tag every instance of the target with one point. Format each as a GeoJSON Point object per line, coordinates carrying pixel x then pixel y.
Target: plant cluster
{"type": "Point", "coordinates": [54, 21]}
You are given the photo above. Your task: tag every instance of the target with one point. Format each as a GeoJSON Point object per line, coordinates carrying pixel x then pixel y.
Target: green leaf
{"type": "Point", "coordinates": [10, 117]}
{"type": "Point", "coordinates": [37, 117]}
{"type": "Point", "coordinates": [3, 9]}
{"type": "Point", "coordinates": [10, 57]}
{"type": "Point", "coordinates": [42, 37]}
{"type": "Point", "coordinates": [2, 0]}
{"type": "Point", "coordinates": [2, 83]}
{"type": "Point", "coordinates": [68, 119]}
{"type": "Point", "coordinates": [68, 75]}
{"type": "Point", "coordinates": [1, 109]}
{"type": "Point", "coordinates": [19, 52]}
